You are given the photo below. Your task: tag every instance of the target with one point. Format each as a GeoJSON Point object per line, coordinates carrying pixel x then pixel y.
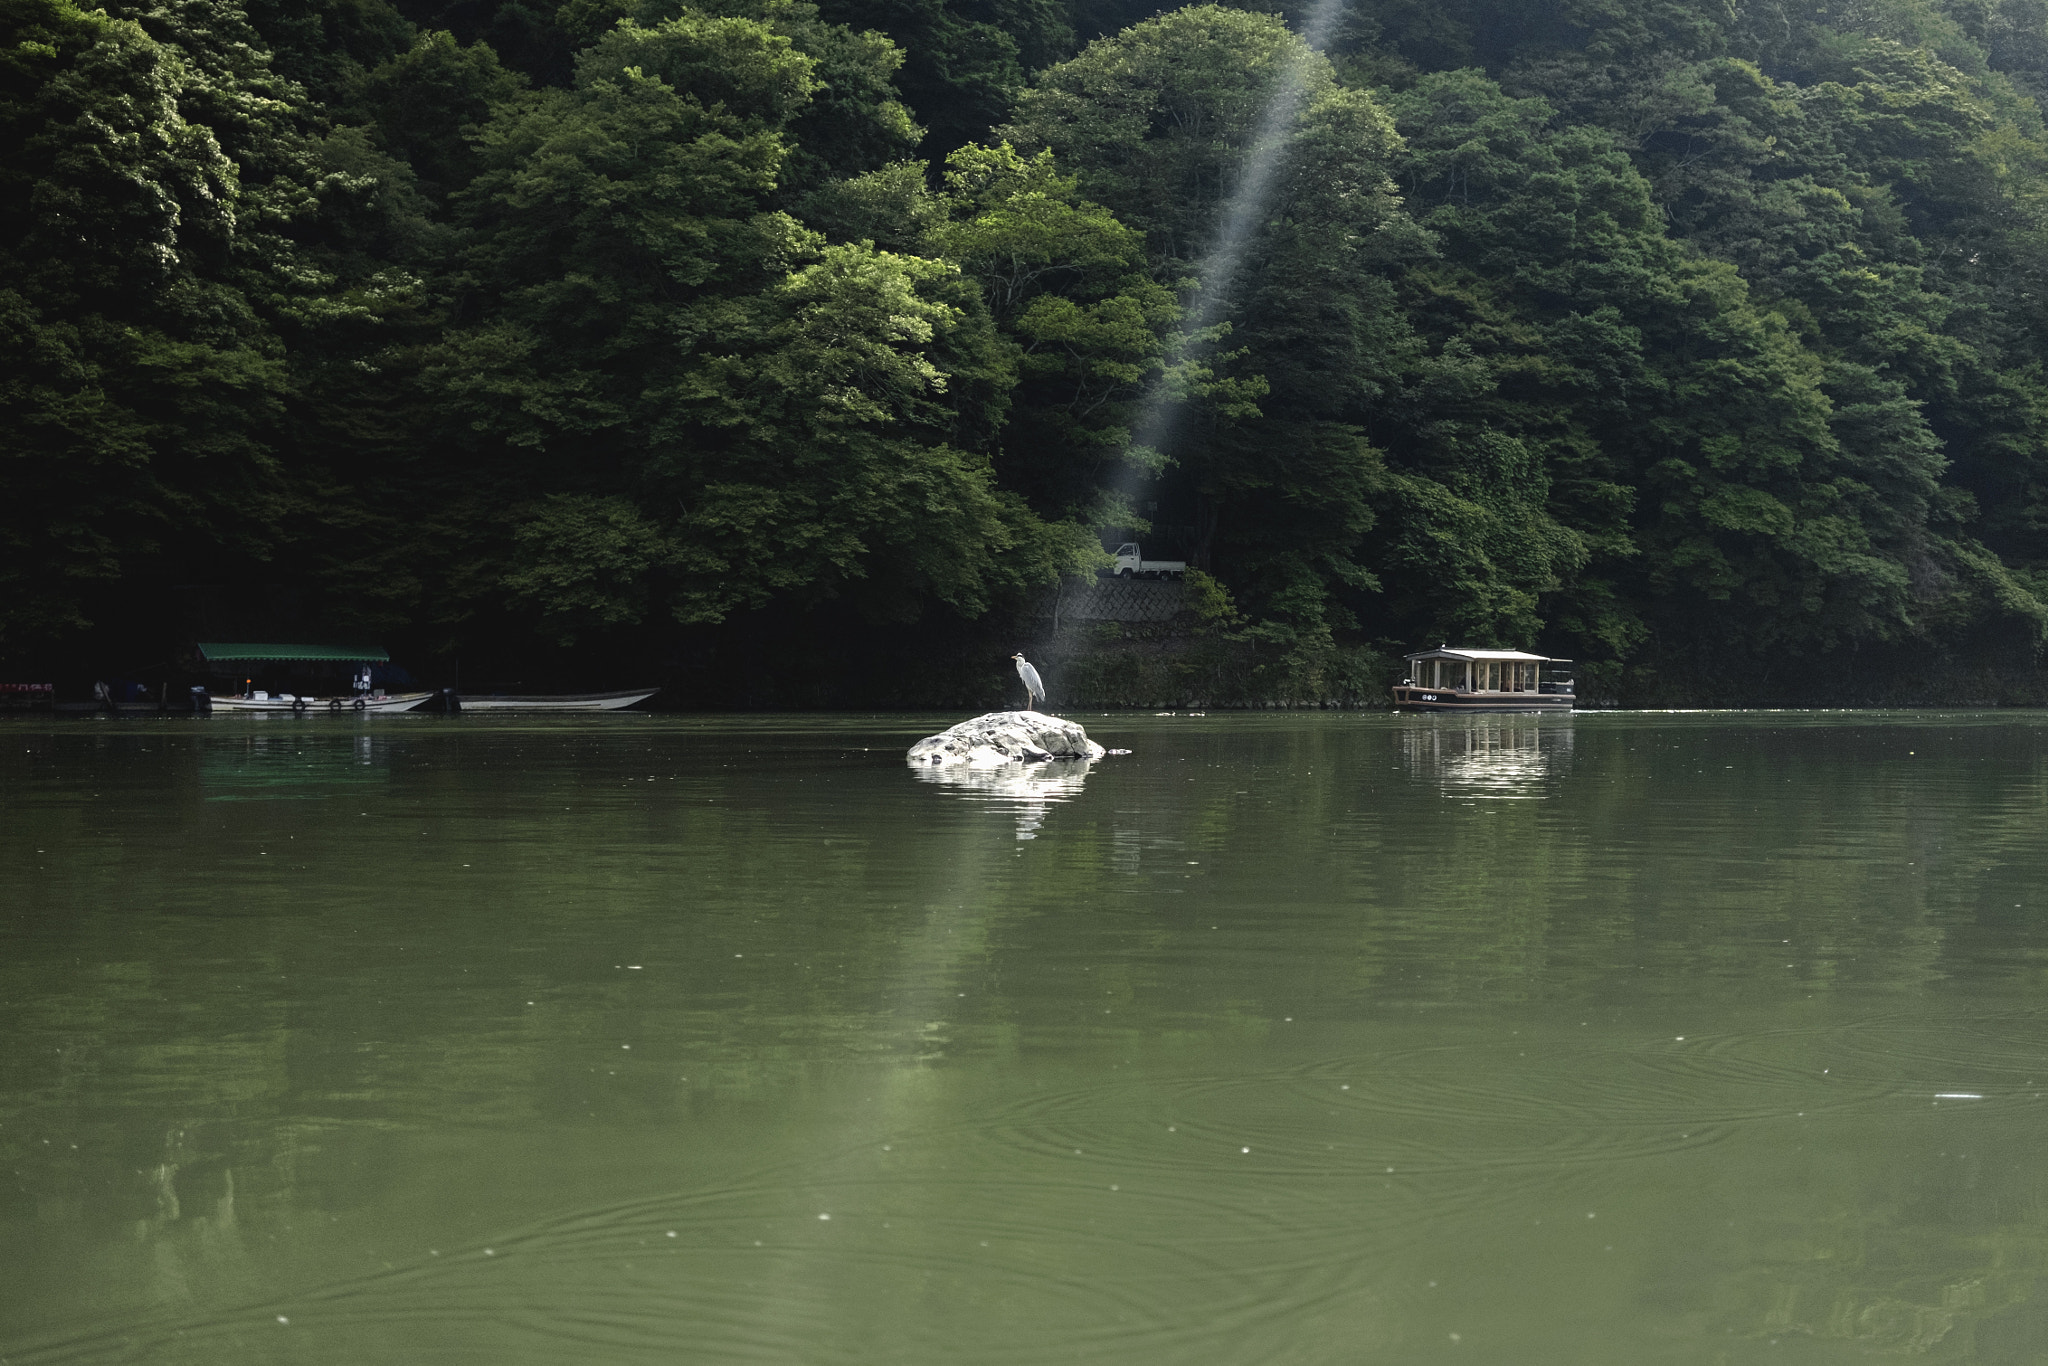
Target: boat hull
{"type": "Point", "coordinates": [589, 701]}
{"type": "Point", "coordinates": [320, 706]}
{"type": "Point", "coordinates": [1407, 698]}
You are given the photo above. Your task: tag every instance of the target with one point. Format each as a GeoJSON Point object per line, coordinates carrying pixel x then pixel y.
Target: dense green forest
{"type": "Point", "coordinates": [794, 350]}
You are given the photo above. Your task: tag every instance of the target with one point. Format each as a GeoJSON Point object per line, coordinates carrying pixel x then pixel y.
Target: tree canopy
{"type": "Point", "coordinates": [1688, 341]}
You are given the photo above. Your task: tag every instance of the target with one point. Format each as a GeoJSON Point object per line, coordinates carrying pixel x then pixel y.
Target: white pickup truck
{"type": "Point", "coordinates": [1130, 564]}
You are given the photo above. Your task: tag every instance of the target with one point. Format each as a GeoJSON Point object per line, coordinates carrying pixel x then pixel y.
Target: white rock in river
{"type": "Point", "coordinates": [1006, 737]}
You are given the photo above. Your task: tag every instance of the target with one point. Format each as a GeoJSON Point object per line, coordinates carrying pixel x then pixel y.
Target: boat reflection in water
{"type": "Point", "coordinates": [1502, 758]}
{"type": "Point", "coordinates": [288, 765]}
{"type": "Point", "coordinates": [1029, 790]}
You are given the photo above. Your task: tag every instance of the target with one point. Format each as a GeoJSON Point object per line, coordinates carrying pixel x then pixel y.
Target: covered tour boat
{"type": "Point", "coordinates": [317, 678]}
{"type": "Point", "coordinates": [1462, 680]}
{"type": "Point", "coordinates": [299, 704]}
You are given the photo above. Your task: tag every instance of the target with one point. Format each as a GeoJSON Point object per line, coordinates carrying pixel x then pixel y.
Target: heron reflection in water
{"type": "Point", "coordinates": [1034, 686]}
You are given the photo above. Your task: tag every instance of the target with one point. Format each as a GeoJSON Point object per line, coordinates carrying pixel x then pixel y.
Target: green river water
{"type": "Point", "coordinates": [1288, 1038]}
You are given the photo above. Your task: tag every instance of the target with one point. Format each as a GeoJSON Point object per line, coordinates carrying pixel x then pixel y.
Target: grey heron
{"type": "Point", "coordinates": [1034, 686]}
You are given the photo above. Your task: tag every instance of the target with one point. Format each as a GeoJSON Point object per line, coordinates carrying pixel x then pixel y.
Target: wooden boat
{"type": "Point", "coordinates": [1464, 680]}
{"type": "Point", "coordinates": [584, 701]}
{"type": "Point", "coordinates": [291, 705]}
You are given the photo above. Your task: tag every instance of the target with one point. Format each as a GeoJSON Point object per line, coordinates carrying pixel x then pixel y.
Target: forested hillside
{"type": "Point", "coordinates": [1707, 343]}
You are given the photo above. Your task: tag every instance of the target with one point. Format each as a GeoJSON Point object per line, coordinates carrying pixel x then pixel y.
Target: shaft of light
{"type": "Point", "coordinates": [1265, 157]}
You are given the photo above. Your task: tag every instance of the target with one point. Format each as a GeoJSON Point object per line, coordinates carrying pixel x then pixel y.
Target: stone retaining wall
{"type": "Point", "coordinates": [1119, 600]}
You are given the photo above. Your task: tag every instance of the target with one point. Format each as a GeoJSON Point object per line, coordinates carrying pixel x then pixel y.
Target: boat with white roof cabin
{"type": "Point", "coordinates": [1468, 680]}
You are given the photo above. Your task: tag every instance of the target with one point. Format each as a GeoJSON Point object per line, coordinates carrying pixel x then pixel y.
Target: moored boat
{"type": "Point", "coordinates": [1465, 680]}
{"type": "Point", "coordinates": [295, 705]}
{"type": "Point", "coordinates": [314, 678]}
{"type": "Point", "coordinates": [585, 701]}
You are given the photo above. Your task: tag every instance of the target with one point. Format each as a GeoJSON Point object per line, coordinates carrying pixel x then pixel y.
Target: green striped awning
{"type": "Point", "coordinates": [222, 652]}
